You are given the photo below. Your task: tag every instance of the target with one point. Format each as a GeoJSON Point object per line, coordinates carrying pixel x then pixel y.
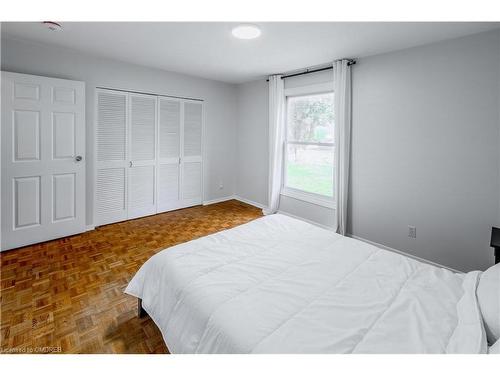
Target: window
{"type": "Point", "coordinates": [308, 166]}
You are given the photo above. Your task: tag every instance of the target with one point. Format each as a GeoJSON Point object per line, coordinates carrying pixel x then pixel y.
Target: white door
{"type": "Point", "coordinates": [43, 159]}
{"type": "Point", "coordinates": [111, 157]}
{"type": "Point", "coordinates": [169, 153]}
{"type": "Point", "coordinates": [191, 153]}
{"type": "Point", "coordinates": [142, 164]}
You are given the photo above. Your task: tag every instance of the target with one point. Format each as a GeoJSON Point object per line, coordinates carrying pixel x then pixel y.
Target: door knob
{"type": "Point", "coordinates": [78, 158]}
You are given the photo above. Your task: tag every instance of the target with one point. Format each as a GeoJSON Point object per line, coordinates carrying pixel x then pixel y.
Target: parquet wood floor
{"type": "Point", "coordinates": [67, 295]}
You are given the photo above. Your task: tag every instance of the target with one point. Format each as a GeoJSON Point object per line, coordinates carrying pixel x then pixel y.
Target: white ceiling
{"type": "Point", "coordinates": [208, 49]}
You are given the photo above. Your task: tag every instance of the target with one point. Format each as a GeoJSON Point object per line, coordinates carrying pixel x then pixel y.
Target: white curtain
{"type": "Point", "coordinates": [276, 139]}
{"type": "Point", "coordinates": [342, 114]}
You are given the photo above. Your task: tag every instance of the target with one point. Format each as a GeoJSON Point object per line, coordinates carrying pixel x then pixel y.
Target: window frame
{"type": "Point", "coordinates": [302, 195]}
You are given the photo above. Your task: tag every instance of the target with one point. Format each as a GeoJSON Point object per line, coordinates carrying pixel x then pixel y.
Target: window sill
{"type": "Point", "coordinates": [315, 199]}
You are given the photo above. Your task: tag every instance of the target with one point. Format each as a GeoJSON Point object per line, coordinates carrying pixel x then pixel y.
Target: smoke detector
{"type": "Point", "coordinates": [52, 26]}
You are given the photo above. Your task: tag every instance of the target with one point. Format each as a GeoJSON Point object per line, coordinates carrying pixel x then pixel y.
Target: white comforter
{"type": "Point", "coordinates": [280, 285]}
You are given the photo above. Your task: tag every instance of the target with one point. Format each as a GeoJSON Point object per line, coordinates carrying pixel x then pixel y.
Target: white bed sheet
{"type": "Point", "coordinates": [280, 285]}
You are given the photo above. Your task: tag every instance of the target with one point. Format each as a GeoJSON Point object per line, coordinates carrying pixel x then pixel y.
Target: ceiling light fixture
{"type": "Point", "coordinates": [246, 31]}
{"type": "Point", "coordinates": [53, 26]}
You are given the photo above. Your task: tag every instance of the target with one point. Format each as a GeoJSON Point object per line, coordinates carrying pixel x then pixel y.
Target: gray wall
{"type": "Point", "coordinates": [425, 150]}
{"type": "Point", "coordinates": [220, 101]}
{"type": "Point", "coordinates": [253, 154]}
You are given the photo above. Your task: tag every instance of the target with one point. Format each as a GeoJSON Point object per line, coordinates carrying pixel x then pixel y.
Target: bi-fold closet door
{"type": "Point", "coordinates": [180, 153]}
{"type": "Point", "coordinates": [149, 155]}
{"type": "Point", "coordinates": [142, 163]}
{"type": "Point", "coordinates": [170, 118]}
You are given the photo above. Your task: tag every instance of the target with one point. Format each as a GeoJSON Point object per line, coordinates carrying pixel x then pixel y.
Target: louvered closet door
{"type": "Point", "coordinates": [169, 142]}
{"type": "Point", "coordinates": [142, 146]}
{"type": "Point", "coordinates": [112, 157]}
{"type": "Point", "coordinates": [191, 160]}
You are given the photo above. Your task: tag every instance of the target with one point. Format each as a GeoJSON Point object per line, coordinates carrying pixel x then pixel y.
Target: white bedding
{"type": "Point", "coordinates": [280, 285]}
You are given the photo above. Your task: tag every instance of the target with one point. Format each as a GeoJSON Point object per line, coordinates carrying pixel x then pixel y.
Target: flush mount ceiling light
{"type": "Point", "coordinates": [51, 25]}
{"type": "Point", "coordinates": [246, 32]}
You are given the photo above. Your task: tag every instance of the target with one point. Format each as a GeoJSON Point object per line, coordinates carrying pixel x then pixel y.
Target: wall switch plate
{"type": "Point", "coordinates": [412, 231]}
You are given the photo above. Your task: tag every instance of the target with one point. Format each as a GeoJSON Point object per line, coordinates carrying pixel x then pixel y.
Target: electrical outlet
{"type": "Point", "coordinates": [221, 186]}
{"type": "Point", "coordinates": [412, 231]}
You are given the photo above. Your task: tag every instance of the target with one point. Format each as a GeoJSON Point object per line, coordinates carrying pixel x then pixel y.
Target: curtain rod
{"type": "Point", "coordinates": [307, 71]}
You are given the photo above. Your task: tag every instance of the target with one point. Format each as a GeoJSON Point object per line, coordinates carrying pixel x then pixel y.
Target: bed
{"type": "Point", "coordinates": [280, 285]}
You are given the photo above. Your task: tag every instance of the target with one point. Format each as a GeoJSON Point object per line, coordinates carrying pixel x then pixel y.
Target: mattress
{"type": "Point", "coordinates": [280, 285]}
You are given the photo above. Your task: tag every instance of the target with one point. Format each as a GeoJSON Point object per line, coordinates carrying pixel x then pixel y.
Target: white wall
{"type": "Point", "coordinates": [425, 149]}
{"type": "Point", "coordinates": [220, 101]}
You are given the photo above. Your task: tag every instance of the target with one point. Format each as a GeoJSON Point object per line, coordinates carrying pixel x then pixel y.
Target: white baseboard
{"type": "Point", "coordinates": [248, 201]}
{"type": "Point", "coordinates": [218, 200]}
{"type": "Point", "coordinates": [403, 253]}
{"type": "Point", "coordinates": [236, 197]}
{"type": "Point", "coordinates": [89, 228]}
